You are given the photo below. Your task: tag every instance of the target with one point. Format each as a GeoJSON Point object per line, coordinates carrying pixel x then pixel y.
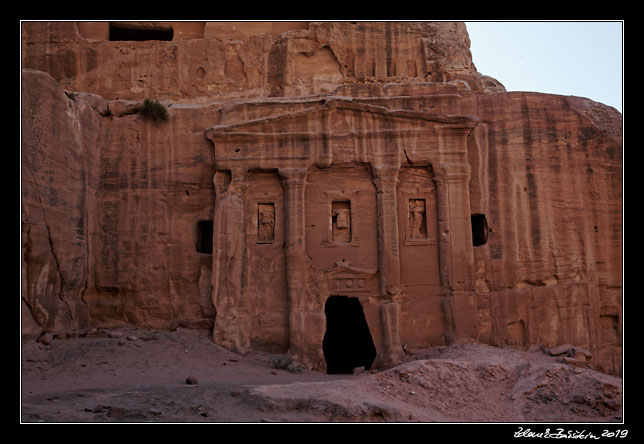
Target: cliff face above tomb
{"type": "Point", "coordinates": [115, 207]}
{"type": "Point", "coordinates": [223, 60]}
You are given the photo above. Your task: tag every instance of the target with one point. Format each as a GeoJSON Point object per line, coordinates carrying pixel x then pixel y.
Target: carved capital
{"type": "Point", "coordinates": [451, 172]}
{"type": "Point", "coordinates": [238, 181]}
{"type": "Point", "coordinates": [221, 180]}
{"type": "Point", "coordinates": [385, 178]}
{"type": "Point", "coordinates": [293, 176]}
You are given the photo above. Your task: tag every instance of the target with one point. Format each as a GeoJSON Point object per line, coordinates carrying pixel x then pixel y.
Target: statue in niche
{"type": "Point", "coordinates": [265, 223]}
{"type": "Point", "coordinates": [417, 219]}
{"type": "Point", "coordinates": [341, 221]}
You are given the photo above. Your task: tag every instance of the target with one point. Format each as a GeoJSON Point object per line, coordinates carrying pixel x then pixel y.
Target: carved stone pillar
{"type": "Point", "coordinates": [456, 250]}
{"type": "Point", "coordinates": [386, 181]}
{"type": "Point", "coordinates": [232, 324]}
{"type": "Point", "coordinates": [294, 182]}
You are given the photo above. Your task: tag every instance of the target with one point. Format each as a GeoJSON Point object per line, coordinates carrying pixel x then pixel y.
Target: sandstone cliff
{"type": "Point", "coordinates": [215, 60]}
{"type": "Point", "coordinates": [111, 202]}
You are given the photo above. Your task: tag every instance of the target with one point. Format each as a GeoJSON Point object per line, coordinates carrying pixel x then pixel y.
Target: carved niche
{"type": "Point", "coordinates": [417, 207]}
{"type": "Point", "coordinates": [341, 221]}
{"type": "Point", "coordinates": [341, 218]}
{"type": "Point", "coordinates": [265, 223]}
{"type": "Point", "coordinates": [417, 219]}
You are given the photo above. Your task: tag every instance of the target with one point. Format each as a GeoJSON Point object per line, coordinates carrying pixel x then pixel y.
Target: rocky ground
{"type": "Point", "coordinates": [130, 375]}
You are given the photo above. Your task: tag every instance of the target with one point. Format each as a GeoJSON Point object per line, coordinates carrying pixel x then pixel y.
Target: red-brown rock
{"type": "Point", "coordinates": [308, 161]}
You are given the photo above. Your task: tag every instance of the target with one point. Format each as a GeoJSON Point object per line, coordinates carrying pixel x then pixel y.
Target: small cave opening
{"type": "Point", "coordinates": [203, 240]}
{"type": "Point", "coordinates": [479, 229]}
{"type": "Point", "coordinates": [347, 342]}
{"type": "Point", "coordinates": [132, 34]}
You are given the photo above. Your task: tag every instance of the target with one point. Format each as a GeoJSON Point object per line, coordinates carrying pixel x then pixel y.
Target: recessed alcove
{"type": "Point", "coordinates": [479, 229]}
{"type": "Point", "coordinates": [120, 33]}
{"type": "Point", "coordinates": [203, 241]}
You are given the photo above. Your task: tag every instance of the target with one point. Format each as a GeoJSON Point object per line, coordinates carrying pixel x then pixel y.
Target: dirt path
{"type": "Point", "coordinates": [181, 376]}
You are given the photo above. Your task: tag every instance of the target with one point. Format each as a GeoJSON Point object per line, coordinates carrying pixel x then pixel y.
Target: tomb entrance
{"type": "Point", "coordinates": [347, 342]}
{"type": "Point", "coordinates": [352, 183]}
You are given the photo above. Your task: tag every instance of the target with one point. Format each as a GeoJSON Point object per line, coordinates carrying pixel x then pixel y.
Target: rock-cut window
{"type": "Point", "coordinates": [120, 33]}
{"type": "Point", "coordinates": [203, 240]}
{"type": "Point", "coordinates": [479, 229]}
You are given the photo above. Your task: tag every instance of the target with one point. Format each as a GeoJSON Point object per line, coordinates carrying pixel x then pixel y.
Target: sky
{"type": "Point", "coordinates": [581, 58]}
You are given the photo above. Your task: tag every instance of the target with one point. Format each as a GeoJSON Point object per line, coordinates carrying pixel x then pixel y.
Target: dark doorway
{"type": "Point", "coordinates": [125, 33]}
{"type": "Point", "coordinates": [347, 342]}
{"type": "Point", "coordinates": [203, 242]}
{"type": "Point", "coordinates": [479, 229]}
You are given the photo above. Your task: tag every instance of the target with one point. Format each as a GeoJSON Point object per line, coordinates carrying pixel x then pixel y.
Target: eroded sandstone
{"type": "Point", "coordinates": [304, 161]}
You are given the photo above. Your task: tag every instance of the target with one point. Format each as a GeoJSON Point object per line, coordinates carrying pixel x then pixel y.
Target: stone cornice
{"type": "Point", "coordinates": [260, 127]}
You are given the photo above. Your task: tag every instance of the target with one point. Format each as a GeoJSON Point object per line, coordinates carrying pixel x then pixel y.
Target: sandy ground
{"type": "Point", "coordinates": [136, 376]}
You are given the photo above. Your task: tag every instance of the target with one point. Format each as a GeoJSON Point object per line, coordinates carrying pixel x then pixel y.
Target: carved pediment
{"type": "Point", "coordinates": [332, 112]}
{"type": "Point", "coordinates": [338, 129]}
{"type": "Point", "coordinates": [343, 278]}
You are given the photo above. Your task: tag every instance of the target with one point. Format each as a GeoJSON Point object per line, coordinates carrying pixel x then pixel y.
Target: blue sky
{"type": "Point", "coordinates": [568, 58]}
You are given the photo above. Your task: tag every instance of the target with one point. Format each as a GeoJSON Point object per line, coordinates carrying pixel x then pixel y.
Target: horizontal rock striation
{"type": "Point", "coordinates": [123, 218]}
{"type": "Point", "coordinates": [215, 60]}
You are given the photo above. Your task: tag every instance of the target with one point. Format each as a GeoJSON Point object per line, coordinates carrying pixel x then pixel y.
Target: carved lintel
{"type": "Point", "coordinates": [343, 278]}
{"type": "Point", "coordinates": [345, 265]}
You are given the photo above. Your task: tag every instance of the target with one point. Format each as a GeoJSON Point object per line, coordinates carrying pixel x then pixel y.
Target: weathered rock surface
{"type": "Point", "coordinates": [468, 381]}
{"type": "Point", "coordinates": [59, 174]}
{"type": "Point", "coordinates": [82, 379]}
{"type": "Point", "coordinates": [112, 203]}
{"type": "Point", "coordinates": [92, 252]}
{"type": "Point", "coordinates": [206, 61]}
